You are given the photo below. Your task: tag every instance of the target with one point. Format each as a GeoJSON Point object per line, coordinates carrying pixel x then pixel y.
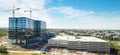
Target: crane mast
{"type": "Point", "coordinates": [14, 9]}
{"type": "Point", "coordinates": [30, 12]}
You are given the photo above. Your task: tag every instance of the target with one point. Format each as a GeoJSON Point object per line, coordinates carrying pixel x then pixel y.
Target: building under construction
{"type": "Point", "coordinates": [91, 44]}
{"type": "Point", "coordinates": [23, 30]}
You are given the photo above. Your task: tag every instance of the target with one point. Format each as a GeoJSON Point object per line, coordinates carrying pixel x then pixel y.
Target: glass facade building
{"type": "Point", "coordinates": [23, 30]}
{"type": "Point", "coordinates": [39, 27]}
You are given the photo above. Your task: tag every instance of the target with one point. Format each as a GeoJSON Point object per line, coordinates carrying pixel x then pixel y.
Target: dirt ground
{"type": "Point", "coordinates": [71, 52]}
{"type": "Point", "coordinates": [52, 50]}
{"type": "Point", "coordinates": [13, 47]}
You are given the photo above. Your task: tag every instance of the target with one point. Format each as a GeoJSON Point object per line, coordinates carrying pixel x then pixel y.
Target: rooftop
{"type": "Point", "coordinates": [79, 38]}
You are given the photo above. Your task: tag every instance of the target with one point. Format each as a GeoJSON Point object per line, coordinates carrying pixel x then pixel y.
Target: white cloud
{"type": "Point", "coordinates": [41, 14]}
{"type": "Point", "coordinates": [84, 19]}
{"type": "Point", "coordinates": [71, 12]}
{"type": "Point", "coordinates": [61, 17]}
{"type": "Point", "coordinates": [3, 22]}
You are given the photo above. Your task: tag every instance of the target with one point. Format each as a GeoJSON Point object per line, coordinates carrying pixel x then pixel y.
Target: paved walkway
{"type": "Point", "coordinates": [44, 47]}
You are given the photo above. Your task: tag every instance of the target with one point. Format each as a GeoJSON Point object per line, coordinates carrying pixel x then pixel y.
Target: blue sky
{"type": "Point", "coordinates": [69, 14]}
{"type": "Point", "coordinates": [96, 5]}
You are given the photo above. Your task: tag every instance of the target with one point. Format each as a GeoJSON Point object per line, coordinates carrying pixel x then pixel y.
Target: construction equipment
{"type": "Point", "coordinates": [30, 12]}
{"type": "Point", "coordinates": [13, 10]}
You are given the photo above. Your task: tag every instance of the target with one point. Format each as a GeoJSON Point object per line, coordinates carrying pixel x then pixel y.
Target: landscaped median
{"type": "Point", "coordinates": [23, 53]}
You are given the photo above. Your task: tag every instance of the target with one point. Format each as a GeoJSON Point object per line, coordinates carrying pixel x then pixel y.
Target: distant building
{"type": "Point", "coordinates": [23, 30]}
{"type": "Point", "coordinates": [80, 43]}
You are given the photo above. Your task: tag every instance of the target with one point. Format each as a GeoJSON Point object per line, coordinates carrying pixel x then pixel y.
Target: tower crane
{"type": "Point", "coordinates": [31, 10]}
{"type": "Point", "coordinates": [13, 10]}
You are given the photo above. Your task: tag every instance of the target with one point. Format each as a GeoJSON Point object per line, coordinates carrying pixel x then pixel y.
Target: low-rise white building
{"type": "Point", "coordinates": [80, 43]}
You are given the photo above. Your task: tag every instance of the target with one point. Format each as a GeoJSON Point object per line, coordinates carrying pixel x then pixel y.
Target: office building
{"type": "Point", "coordinates": [23, 30]}
{"type": "Point", "coordinates": [91, 44]}
{"type": "Point", "coordinates": [39, 28]}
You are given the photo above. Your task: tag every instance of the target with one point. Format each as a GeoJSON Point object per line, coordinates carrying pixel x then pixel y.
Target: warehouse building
{"type": "Point", "coordinates": [91, 44]}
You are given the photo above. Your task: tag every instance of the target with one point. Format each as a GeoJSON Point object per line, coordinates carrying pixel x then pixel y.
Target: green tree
{"type": "Point", "coordinates": [3, 49]}
{"type": "Point", "coordinates": [3, 33]}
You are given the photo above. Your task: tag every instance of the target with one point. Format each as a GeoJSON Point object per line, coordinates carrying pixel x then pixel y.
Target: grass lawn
{"type": "Point", "coordinates": [115, 45]}
{"type": "Point", "coordinates": [21, 53]}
